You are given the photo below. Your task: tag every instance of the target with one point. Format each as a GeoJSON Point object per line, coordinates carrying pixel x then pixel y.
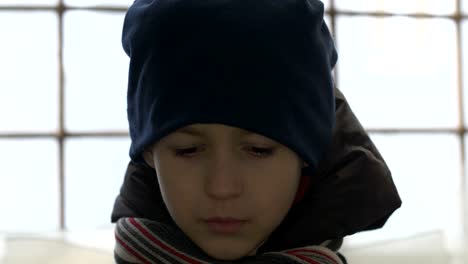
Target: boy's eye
{"type": "Point", "coordinates": [185, 151]}
{"type": "Point", "coordinates": [261, 151]}
{"type": "Point", "coordinates": [258, 151]}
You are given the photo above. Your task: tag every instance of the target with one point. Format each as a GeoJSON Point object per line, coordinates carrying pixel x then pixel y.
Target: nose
{"type": "Point", "coordinates": [223, 179]}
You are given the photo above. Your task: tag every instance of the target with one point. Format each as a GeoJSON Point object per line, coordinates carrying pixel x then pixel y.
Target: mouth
{"type": "Point", "coordinates": [225, 225]}
{"type": "Point", "coordinates": [223, 219]}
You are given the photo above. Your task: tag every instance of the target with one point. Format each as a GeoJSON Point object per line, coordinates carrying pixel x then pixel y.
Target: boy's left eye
{"type": "Point", "coordinates": [261, 151]}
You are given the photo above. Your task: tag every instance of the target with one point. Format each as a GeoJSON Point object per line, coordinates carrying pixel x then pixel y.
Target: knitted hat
{"type": "Point", "coordinates": [260, 65]}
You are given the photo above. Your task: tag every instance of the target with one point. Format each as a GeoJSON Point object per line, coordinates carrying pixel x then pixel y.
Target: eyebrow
{"type": "Point", "coordinates": [190, 131]}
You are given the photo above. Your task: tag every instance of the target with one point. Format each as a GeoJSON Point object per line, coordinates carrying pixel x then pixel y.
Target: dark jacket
{"type": "Point", "coordinates": [352, 191]}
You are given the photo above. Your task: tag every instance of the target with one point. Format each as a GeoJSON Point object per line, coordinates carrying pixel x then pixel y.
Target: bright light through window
{"type": "Point", "coordinates": [426, 169]}
{"type": "Point", "coordinates": [29, 185]}
{"type": "Point", "coordinates": [82, 3]}
{"type": "Point", "coordinates": [96, 69]}
{"type": "Point", "coordinates": [399, 72]}
{"type": "Point", "coordinates": [28, 72]}
{"type": "Point", "coordinates": [399, 6]}
{"type": "Point", "coordinates": [28, 2]}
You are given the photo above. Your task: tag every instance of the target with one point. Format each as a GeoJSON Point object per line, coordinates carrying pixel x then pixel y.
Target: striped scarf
{"type": "Point", "coordinates": [141, 240]}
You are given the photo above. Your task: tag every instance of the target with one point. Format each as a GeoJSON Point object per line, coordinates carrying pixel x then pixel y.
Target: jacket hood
{"type": "Point", "coordinates": [352, 191]}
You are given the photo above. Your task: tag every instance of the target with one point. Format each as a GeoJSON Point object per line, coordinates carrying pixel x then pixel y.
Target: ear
{"type": "Point", "coordinates": [148, 157]}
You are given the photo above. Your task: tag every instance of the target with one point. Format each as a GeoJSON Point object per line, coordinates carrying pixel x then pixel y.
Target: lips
{"type": "Point", "coordinates": [225, 225]}
{"type": "Point", "coordinates": [224, 219]}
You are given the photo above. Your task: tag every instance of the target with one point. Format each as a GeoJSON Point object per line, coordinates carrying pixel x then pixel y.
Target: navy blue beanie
{"type": "Point", "coordinates": [260, 65]}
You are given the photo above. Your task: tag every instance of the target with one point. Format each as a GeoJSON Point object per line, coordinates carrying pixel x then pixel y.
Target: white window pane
{"type": "Point", "coordinates": [28, 2]}
{"type": "Point", "coordinates": [96, 69]}
{"type": "Point", "coordinates": [399, 71]}
{"type": "Point", "coordinates": [465, 66]}
{"type": "Point", "coordinates": [327, 19]}
{"type": "Point", "coordinates": [326, 3]}
{"type": "Point", "coordinates": [29, 71]}
{"type": "Point", "coordinates": [29, 191]}
{"type": "Point", "coordinates": [427, 172]}
{"type": "Point", "coordinates": [94, 173]}
{"type": "Point", "coordinates": [82, 3]}
{"type": "Point", "coordinates": [398, 6]}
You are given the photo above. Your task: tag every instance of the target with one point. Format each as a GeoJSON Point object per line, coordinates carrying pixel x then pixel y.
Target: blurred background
{"type": "Point", "coordinates": [64, 134]}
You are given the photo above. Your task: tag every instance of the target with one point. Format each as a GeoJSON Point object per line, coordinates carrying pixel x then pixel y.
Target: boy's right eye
{"type": "Point", "coordinates": [182, 152]}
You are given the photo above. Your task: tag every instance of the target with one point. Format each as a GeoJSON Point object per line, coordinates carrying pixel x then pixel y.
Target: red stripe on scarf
{"type": "Point", "coordinates": [162, 245]}
{"type": "Point", "coordinates": [312, 251]}
{"type": "Point", "coordinates": [306, 259]}
{"type": "Point", "coordinates": [130, 250]}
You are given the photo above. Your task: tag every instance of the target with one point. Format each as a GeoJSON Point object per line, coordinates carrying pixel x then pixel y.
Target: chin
{"type": "Point", "coordinates": [230, 255]}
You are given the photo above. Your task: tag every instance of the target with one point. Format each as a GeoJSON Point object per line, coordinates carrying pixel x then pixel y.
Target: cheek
{"type": "Point", "coordinates": [277, 195]}
{"type": "Point", "coordinates": [178, 192]}
{"type": "Point", "coordinates": [279, 182]}
{"type": "Point", "coordinates": [274, 194]}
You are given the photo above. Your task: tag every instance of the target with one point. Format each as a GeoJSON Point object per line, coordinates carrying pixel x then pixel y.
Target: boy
{"type": "Point", "coordinates": [231, 109]}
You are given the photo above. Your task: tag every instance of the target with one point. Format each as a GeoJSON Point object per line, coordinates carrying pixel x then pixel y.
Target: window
{"type": "Point", "coordinates": [64, 144]}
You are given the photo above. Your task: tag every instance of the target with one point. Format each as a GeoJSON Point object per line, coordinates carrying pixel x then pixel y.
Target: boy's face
{"type": "Point", "coordinates": [209, 170]}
